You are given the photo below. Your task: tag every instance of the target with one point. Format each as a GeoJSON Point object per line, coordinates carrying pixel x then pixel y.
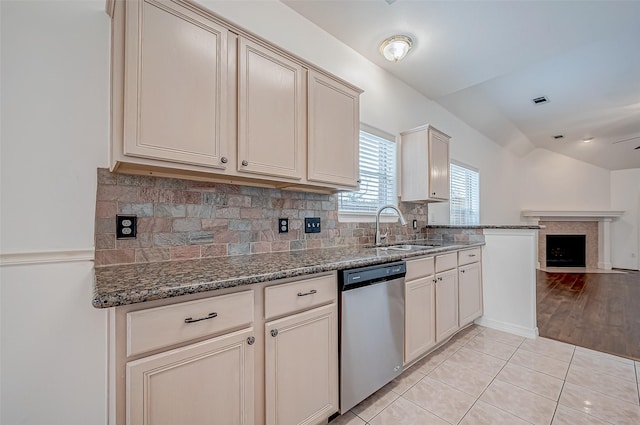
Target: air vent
{"type": "Point", "coordinates": [558, 136]}
{"type": "Point", "coordinates": [540, 100]}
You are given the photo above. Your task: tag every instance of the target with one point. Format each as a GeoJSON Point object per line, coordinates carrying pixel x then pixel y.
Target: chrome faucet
{"type": "Point", "coordinates": [403, 222]}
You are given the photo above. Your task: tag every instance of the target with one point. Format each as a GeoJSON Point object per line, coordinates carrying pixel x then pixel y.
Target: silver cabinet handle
{"type": "Point", "coordinates": [251, 340]}
{"type": "Point", "coordinates": [440, 279]}
{"type": "Point", "coordinates": [245, 162]}
{"type": "Point", "coordinates": [224, 160]}
{"type": "Point", "coordinates": [472, 255]}
{"type": "Point", "coordinates": [462, 271]}
{"type": "Point", "coordinates": [274, 333]}
{"type": "Point", "coordinates": [311, 292]}
{"type": "Point", "coordinates": [192, 320]}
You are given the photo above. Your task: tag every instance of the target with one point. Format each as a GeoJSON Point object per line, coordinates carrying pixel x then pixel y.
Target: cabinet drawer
{"type": "Point", "coordinates": [446, 262]}
{"type": "Point", "coordinates": [301, 295]}
{"type": "Point", "coordinates": [169, 325]}
{"type": "Point", "coordinates": [468, 256]}
{"type": "Point", "coordinates": [418, 268]}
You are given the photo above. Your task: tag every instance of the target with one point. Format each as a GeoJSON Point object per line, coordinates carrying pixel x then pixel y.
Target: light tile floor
{"type": "Point", "coordinates": [487, 377]}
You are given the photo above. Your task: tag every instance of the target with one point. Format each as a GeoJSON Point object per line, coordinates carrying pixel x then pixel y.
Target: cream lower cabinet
{"type": "Point", "coordinates": [210, 382]}
{"type": "Point", "coordinates": [420, 311]}
{"type": "Point", "coordinates": [301, 367]}
{"type": "Point", "coordinates": [446, 304]}
{"type": "Point", "coordinates": [470, 293]}
{"type": "Point", "coordinates": [301, 351]}
{"type": "Point", "coordinates": [419, 308]}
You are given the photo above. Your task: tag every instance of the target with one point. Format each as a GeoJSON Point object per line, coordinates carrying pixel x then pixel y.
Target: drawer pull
{"type": "Point", "coordinates": [251, 340]}
{"type": "Point", "coordinates": [472, 255]}
{"type": "Point", "coordinates": [192, 320]}
{"type": "Point", "coordinates": [274, 333]}
{"type": "Point", "coordinates": [311, 292]}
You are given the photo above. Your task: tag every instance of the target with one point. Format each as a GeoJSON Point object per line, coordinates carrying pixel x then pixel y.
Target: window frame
{"type": "Point", "coordinates": [367, 216]}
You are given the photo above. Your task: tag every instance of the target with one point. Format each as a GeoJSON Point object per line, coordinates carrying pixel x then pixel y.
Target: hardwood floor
{"type": "Point", "coordinates": [597, 311]}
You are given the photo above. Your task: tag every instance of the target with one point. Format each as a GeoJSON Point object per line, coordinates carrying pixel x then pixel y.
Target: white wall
{"type": "Point", "coordinates": [551, 181]}
{"type": "Point", "coordinates": [54, 77]}
{"type": "Point", "coordinates": [625, 232]}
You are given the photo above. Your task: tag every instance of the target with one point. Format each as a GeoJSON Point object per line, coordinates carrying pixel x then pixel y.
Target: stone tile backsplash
{"type": "Point", "coordinates": [181, 219]}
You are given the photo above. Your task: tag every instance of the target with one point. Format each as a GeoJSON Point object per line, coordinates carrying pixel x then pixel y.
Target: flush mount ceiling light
{"type": "Point", "coordinates": [588, 140]}
{"type": "Point", "coordinates": [396, 47]}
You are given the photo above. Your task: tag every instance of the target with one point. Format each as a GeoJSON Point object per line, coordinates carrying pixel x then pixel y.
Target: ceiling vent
{"type": "Point", "coordinates": [540, 100]}
{"type": "Point", "coordinates": [558, 136]}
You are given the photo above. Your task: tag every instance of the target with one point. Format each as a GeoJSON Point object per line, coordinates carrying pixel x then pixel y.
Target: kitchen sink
{"type": "Point", "coordinates": [404, 247]}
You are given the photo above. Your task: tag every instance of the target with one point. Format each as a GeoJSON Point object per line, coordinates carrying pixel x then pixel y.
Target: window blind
{"type": "Point", "coordinates": [464, 202]}
{"type": "Point", "coordinates": [377, 176]}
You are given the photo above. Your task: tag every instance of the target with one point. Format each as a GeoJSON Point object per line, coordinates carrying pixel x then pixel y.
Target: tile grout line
{"type": "Point", "coordinates": [494, 378]}
{"type": "Point", "coordinates": [564, 381]}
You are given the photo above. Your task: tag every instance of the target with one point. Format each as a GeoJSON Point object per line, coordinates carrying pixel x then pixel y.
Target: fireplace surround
{"type": "Point", "coordinates": [598, 246]}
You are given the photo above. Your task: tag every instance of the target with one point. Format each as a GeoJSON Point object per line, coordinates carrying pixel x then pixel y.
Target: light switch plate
{"type": "Point", "coordinates": [312, 225]}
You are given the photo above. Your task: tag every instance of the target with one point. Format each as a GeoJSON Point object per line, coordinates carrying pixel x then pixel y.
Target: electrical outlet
{"type": "Point", "coordinates": [415, 224]}
{"type": "Point", "coordinates": [126, 226]}
{"type": "Point", "coordinates": [283, 225]}
{"type": "Point", "coordinates": [312, 225]}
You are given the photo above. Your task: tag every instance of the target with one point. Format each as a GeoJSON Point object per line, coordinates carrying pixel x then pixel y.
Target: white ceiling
{"type": "Point", "coordinates": [485, 60]}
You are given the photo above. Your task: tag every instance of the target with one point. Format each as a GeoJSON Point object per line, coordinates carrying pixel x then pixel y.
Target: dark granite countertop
{"type": "Point", "coordinates": [134, 283]}
{"type": "Point", "coordinates": [483, 226]}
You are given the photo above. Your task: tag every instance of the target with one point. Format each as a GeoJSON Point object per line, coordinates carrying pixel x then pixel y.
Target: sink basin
{"type": "Point", "coordinates": [404, 247]}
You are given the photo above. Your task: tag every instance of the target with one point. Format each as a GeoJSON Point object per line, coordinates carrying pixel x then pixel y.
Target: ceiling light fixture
{"type": "Point", "coordinates": [587, 140]}
{"type": "Point", "coordinates": [396, 47]}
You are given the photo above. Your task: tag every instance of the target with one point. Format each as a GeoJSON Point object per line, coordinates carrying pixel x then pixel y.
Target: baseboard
{"type": "Point", "coordinates": [605, 266]}
{"type": "Point", "coordinates": [508, 327]}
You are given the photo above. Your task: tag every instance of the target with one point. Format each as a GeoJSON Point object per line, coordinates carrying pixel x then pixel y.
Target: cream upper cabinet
{"type": "Point", "coordinates": [425, 165]}
{"type": "Point", "coordinates": [194, 96]}
{"type": "Point", "coordinates": [470, 293]}
{"type": "Point", "coordinates": [210, 382]}
{"type": "Point", "coordinates": [301, 367]}
{"type": "Point", "coordinates": [271, 112]}
{"type": "Point", "coordinates": [334, 123]}
{"type": "Point", "coordinates": [175, 84]}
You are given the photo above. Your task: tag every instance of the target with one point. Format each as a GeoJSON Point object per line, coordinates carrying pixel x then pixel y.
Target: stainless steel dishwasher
{"type": "Point", "coordinates": [371, 329]}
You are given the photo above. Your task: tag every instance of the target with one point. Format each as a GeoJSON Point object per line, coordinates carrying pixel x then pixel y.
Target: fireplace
{"type": "Point", "coordinates": [566, 250]}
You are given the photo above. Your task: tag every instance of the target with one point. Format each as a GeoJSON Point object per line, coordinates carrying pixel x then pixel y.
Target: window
{"type": "Point", "coordinates": [464, 204]}
{"type": "Point", "coordinates": [377, 176]}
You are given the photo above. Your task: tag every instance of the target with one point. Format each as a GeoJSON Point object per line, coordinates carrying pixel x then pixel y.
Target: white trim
{"type": "Point", "coordinates": [363, 217]}
{"type": "Point", "coordinates": [508, 327]}
{"type": "Point", "coordinates": [462, 164]}
{"type": "Point", "coordinates": [45, 257]}
{"type": "Point", "coordinates": [571, 215]}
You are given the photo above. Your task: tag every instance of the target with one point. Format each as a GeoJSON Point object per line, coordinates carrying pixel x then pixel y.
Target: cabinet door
{"type": "Point", "coordinates": [470, 293]}
{"type": "Point", "coordinates": [175, 84]}
{"type": "Point", "coordinates": [438, 165]}
{"type": "Point", "coordinates": [210, 382]}
{"type": "Point", "coordinates": [272, 112]}
{"type": "Point", "coordinates": [301, 367]}
{"type": "Point", "coordinates": [420, 315]}
{"type": "Point", "coordinates": [446, 304]}
{"type": "Point", "coordinates": [334, 122]}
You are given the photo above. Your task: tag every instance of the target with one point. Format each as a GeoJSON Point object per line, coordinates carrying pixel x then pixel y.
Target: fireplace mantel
{"type": "Point", "coordinates": [541, 215]}
{"type": "Point", "coordinates": [603, 217]}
